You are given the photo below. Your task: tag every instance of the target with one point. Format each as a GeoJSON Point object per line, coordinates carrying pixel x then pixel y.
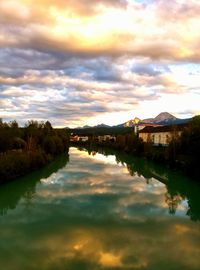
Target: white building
{"type": "Point", "coordinates": [161, 135]}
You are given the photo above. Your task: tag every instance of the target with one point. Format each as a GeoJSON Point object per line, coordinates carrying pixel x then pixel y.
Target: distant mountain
{"type": "Point", "coordinates": [97, 126]}
{"type": "Point", "coordinates": [86, 126]}
{"type": "Point", "coordinates": [102, 126]}
{"type": "Point", "coordinates": [163, 118]}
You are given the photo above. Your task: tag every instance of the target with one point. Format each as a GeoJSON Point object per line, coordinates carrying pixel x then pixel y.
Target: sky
{"type": "Point", "coordinates": [83, 62]}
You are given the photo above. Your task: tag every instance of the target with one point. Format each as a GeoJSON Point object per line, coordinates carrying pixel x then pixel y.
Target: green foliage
{"type": "Point", "coordinates": [49, 145]}
{"type": "Point", "coordinates": [14, 124]}
{"type": "Point", "coordinates": [190, 147]}
{"type": "Point", "coordinates": [18, 143]}
{"type": "Point", "coordinates": [184, 151]}
{"type": "Point", "coordinates": [101, 131]}
{"type": "Point", "coordinates": [25, 149]}
{"type": "Point", "coordinates": [121, 142]}
{"type": "Point", "coordinates": [58, 144]}
{"type": "Point", "coordinates": [4, 141]}
{"type": "Point", "coordinates": [15, 164]}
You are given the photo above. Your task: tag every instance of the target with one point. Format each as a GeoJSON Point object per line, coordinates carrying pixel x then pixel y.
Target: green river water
{"type": "Point", "coordinates": [100, 210]}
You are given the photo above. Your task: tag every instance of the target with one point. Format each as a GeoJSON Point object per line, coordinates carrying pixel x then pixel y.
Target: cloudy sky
{"type": "Point", "coordinates": [78, 62]}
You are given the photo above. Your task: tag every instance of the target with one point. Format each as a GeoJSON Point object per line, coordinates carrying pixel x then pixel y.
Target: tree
{"type": "Point", "coordinates": [47, 128]}
{"type": "Point", "coordinates": [49, 145]}
{"type": "Point", "coordinates": [188, 147]}
{"type": "Point", "coordinates": [13, 124]}
{"type": "Point", "coordinates": [18, 143]}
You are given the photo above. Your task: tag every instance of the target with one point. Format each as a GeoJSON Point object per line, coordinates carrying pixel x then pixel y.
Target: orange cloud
{"type": "Point", "coordinates": [103, 27]}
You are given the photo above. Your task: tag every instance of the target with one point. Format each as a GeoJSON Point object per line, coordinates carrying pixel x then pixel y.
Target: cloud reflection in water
{"type": "Point", "coordinates": [92, 214]}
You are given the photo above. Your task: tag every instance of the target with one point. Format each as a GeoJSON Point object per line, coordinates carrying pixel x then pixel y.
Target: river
{"type": "Point", "coordinates": [100, 210]}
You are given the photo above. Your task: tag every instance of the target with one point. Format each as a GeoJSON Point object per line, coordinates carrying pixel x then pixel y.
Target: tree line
{"type": "Point", "coordinates": [26, 149]}
{"type": "Point", "coordinates": [182, 153]}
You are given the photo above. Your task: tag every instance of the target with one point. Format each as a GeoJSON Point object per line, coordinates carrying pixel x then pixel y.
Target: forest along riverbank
{"type": "Point", "coordinates": [23, 150]}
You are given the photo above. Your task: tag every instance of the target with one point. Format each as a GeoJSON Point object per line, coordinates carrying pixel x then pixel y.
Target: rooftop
{"type": "Point", "coordinates": [151, 129]}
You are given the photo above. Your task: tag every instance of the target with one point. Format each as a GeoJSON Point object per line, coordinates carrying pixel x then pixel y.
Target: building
{"type": "Point", "coordinates": [161, 135]}
{"type": "Point", "coordinates": [138, 125]}
{"type": "Point", "coordinates": [73, 138]}
{"type": "Point", "coordinates": [141, 126]}
{"type": "Point", "coordinates": [105, 138]}
{"type": "Point", "coordinates": [83, 138]}
{"type": "Point", "coordinates": [77, 138]}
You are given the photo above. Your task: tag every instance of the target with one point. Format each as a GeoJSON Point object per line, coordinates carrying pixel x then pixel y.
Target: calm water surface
{"type": "Point", "coordinates": [100, 211]}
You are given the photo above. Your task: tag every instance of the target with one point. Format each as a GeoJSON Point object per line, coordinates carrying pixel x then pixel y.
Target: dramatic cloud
{"type": "Point", "coordinates": [83, 62]}
{"type": "Point", "coordinates": [104, 27]}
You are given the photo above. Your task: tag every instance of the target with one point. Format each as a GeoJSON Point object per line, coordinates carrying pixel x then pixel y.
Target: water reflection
{"type": "Point", "coordinates": [96, 214]}
{"type": "Point", "coordinates": [179, 187]}
{"type": "Point", "coordinates": [25, 187]}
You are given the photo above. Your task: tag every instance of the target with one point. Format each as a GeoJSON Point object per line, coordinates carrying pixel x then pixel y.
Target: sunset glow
{"type": "Point", "coordinates": [81, 62]}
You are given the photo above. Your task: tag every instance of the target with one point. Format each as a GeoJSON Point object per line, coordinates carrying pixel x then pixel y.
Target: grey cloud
{"type": "Point", "coordinates": [66, 89]}
{"type": "Point", "coordinates": [149, 69]}
{"type": "Point", "coordinates": [23, 59]}
{"type": "Point", "coordinates": [62, 109]}
{"type": "Point", "coordinates": [63, 97]}
{"type": "Point", "coordinates": [104, 69]}
{"type": "Point", "coordinates": [100, 69]}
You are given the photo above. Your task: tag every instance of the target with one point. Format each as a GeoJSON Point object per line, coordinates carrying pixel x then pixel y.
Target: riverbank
{"type": "Point", "coordinates": [181, 152]}
{"type": "Point", "coordinates": [16, 164]}
{"type": "Point", "coordinates": [167, 156]}
{"type": "Point", "coordinates": [23, 150]}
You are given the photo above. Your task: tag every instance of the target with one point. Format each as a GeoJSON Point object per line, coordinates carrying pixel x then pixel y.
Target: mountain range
{"type": "Point", "coordinates": [166, 118]}
{"type": "Point", "coordinates": [163, 118]}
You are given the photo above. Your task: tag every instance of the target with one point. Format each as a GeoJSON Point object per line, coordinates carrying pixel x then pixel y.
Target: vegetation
{"type": "Point", "coordinates": [26, 149]}
{"type": "Point", "coordinates": [95, 131]}
{"type": "Point", "coordinates": [182, 153]}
